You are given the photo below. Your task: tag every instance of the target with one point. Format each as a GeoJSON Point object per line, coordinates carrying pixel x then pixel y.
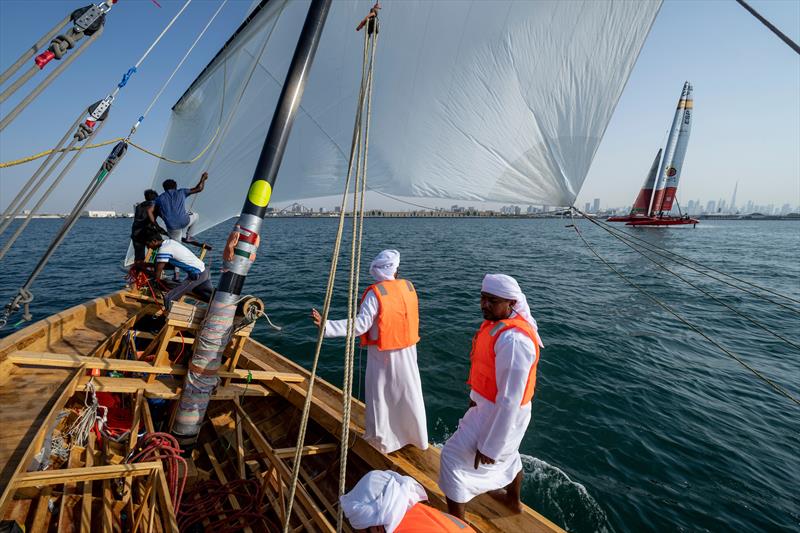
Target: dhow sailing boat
{"type": "Point", "coordinates": [475, 100]}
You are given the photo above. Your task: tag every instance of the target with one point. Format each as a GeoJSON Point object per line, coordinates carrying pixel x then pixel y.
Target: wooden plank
{"type": "Point", "coordinates": [148, 418]}
{"type": "Point", "coordinates": [168, 390]}
{"type": "Point", "coordinates": [142, 367]}
{"type": "Point", "coordinates": [314, 449]}
{"type": "Point", "coordinates": [166, 510]}
{"type": "Point", "coordinates": [86, 509]}
{"type": "Point", "coordinates": [36, 442]}
{"type": "Point", "coordinates": [41, 517]}
{"type": "Point", "coordinates": [264, 447]}
{"type": "Point", "coordinates": [239, 443]}
{"type": "Point", "coordinates": [223, 479]}
{"type": "Point", "coordinates": [72, 475]}
{"type": "Point", "coordinates": [70, 497]}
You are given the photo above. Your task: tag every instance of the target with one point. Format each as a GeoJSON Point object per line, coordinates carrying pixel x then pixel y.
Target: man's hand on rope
{"type": "Point", "coordinates": [316, 318]}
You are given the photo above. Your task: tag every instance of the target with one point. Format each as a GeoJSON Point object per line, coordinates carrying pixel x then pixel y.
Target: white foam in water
{"type": "Point", "coordinates": [575, 507]}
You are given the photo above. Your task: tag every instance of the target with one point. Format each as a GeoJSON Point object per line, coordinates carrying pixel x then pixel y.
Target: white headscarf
{"type": "Point", "coordinates": [507, 287]}
{"type": "Point", "coordinates": [381, 498]}
{"type": "Point", "coordinates": [385, 264]}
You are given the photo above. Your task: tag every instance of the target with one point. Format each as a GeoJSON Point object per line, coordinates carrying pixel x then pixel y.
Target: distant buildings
{"type": "Point", "coordinates": [596, 205]}
{"type": "Point", "coordinates": [99, 214]}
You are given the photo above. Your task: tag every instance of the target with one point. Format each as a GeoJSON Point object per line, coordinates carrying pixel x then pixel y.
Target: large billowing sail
{"type": "Point", "coordinates": [674, 153]}
{"type": "Point", "coordinates": [474, 100]}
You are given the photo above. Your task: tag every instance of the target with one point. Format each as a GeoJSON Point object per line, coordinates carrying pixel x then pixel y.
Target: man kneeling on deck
{"type": "Point", "coordinates": [384, 501]}
{"type": "Point", "coordinates": [177, 255]}
{"type": "Point", "coordinates": [388, 322]}
{"type": "Point", "coordinates": [483, 454]}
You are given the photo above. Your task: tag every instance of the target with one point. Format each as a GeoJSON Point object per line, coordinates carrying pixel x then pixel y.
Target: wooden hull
{"type": "Point", "coordinates": [251, 433]}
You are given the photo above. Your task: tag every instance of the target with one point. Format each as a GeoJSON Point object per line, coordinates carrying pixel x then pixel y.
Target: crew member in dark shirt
{"type": "Point", "coordinates": [144, 217]}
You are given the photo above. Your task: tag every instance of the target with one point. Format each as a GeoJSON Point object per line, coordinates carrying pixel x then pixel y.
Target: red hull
{"type": "Point", "coordinates": [663, 221]}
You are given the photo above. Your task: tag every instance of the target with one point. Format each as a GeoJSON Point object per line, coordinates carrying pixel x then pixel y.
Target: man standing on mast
{"type": "Point", "coordinates": [483, 454]}
{"type": "Point", "coordinates": [388, 323]}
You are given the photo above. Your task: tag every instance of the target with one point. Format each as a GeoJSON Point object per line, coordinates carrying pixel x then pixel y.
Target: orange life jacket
{"type": "Point", "coordinates": [398, 315]}
{"type": "Point", "coordinates": [482, 376]}
{"type": "Point", "coordinates": [424, 519]}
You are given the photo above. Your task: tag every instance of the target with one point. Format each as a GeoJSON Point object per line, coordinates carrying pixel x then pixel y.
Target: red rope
{"type": "Point", "coordinates": [164, 446]}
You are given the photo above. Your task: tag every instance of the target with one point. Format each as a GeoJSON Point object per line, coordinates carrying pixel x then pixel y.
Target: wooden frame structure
{"type": "Point", "coordinates": [250, 434]}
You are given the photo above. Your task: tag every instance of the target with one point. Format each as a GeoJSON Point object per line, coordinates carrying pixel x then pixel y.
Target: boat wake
{"type": "Point", "coordinates": [559, 498]}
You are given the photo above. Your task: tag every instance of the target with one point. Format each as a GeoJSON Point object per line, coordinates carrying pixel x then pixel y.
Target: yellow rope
{"type": "Point", "coordinates": [34, 157]}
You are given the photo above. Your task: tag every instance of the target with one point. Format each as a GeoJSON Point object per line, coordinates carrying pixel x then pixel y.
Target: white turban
{"type": "Point", "coordinates": [381, 498]}
{"type": "Point", "coordinates": [508, 288]}
{"type": "Point", "coordinates": [385, 264]}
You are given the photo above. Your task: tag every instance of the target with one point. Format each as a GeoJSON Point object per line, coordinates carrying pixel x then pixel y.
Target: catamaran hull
{"type": "Point", "coordinates": [653, 222]}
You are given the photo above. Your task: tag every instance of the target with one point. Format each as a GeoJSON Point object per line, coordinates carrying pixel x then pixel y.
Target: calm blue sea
{"type": "Point", "coordinates": [638, 423]}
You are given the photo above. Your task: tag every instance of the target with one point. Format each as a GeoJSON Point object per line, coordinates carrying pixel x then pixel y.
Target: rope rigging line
{"type": "Point", "coordinates": [301, 435]}
{"type": "Point", "coordinates": [24, 296]}
{"type": "Point", "coordinates": [654, 248]}
{"type": "Point", "coordinates": [87, 21]}
{"type": "Point", "coordinates": [778, 388]}
{"type": "Point", "coordinates": [719, 301]}
{"type": "Point", "coordinates": [355, 270]}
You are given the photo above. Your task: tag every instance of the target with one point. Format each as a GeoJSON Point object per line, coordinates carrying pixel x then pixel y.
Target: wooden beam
{"type": "Point", "coordinates": [86, 508]}
{"type": "Point", "coordinates": [239, 443]}
{"type": "Point", "coordinates": [73, 475]}
{"type": "Point", "coordinates": [314, 449]}
{"type": "Point", "coordinates": [166, 509]}
{"type": "Point", "coordinates": [223, 479]}
{"type": "Point", "coordinates": [41, 517]}
{"type": "Point", "coordinates": [167, 390]}
{"type": "Point", "coordinates": [125, 365]}
{"type": "Point", "coordinates": [262, 444]}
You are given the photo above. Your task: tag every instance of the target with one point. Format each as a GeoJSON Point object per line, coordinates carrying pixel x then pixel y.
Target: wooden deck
{"type": "Point", "coordinates": [263, 427]}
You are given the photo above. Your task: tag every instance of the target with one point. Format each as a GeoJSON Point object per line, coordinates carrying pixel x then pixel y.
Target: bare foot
{"type": "Point", "coordinates": [506, 499]}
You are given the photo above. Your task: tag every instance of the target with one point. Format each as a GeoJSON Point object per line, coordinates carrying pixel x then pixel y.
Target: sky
{"type": "Point", "coordinates": [746, 125]}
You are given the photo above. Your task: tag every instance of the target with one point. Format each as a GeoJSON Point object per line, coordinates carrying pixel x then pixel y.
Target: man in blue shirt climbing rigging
{"type": "Point", "coordinates": [171, 205]}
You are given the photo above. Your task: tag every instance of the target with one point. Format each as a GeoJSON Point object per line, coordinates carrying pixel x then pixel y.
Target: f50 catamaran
{"type": "Point", "coordinates": [654, 203]}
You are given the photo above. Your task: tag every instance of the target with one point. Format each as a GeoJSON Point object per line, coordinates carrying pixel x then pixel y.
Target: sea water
{"type": "Point", "coordinates": [638, 423]}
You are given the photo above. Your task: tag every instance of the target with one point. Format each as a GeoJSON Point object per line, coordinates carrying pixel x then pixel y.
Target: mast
{"type": "Point", "coordinates": [674, 153]}
{"type": "Point", "coordinates": [642, 204]}
{"type": "Point", "coordinates": [244, 239]}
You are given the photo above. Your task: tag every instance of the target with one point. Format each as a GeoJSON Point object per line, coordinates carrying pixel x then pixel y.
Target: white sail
{"type": "Point", "coordinates": [473, 100]}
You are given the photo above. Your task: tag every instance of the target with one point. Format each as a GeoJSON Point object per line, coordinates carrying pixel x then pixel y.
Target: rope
{"type": "Point", "coordinates": [651, 246]}
{"type": "Point", "coordinates": [719, 301]}
{"type": "Point", "coordinates": [301, 432]}
{"type": "Point", "coordinates": [694, 328]}
{"type": "Point", "coordinates": [355, 269]}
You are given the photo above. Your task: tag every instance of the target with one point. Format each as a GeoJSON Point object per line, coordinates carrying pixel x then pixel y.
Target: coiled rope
{"type": "Point", "coordinates": [778, 388]}
{"type": "Point", "coordinates": [301, 433]}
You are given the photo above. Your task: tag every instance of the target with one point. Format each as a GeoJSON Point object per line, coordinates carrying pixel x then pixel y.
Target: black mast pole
{"type": "Point", "coordinates": [244, 239]}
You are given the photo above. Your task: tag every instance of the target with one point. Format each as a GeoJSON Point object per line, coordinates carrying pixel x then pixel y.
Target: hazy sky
{"type": "Point", "coordinates": [746, 88]}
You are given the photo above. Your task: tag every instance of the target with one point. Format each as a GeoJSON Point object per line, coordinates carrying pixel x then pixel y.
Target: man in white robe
{"type": "Point", "coordinates": [483, 454]}
{"type": "Point", "coordinates": [395, 414]}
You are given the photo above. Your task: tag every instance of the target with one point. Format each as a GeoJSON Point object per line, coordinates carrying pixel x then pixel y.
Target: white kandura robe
{"type": "Point", "coordinates": [395, 413]}
{"type": "Point", "coordinates": [496, 429]}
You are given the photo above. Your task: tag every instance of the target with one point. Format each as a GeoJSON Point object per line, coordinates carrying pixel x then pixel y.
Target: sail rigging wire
{"type": "Point", "coordinates": [301, 433]}
{"type": "Point", "coordinates": [778, 388]}
{"type": "Point", "coordinates": [24, 295]}
{"type": "Point", "coordinates": [782, 36]}
{"type": "Point", "coordinates": [654, 248]}
{"type": "Point", "coordinates": [718, 300]}
{"type": "Point", "coordinates": [232, 113]}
